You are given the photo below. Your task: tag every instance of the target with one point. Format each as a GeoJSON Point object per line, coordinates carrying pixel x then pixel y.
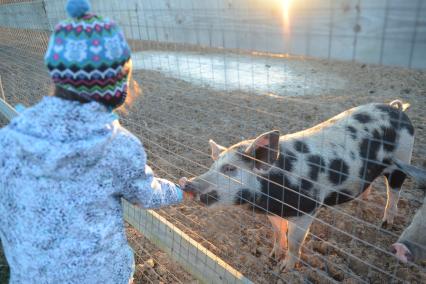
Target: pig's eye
{"type": "Point", "coordinates": [227, 169]}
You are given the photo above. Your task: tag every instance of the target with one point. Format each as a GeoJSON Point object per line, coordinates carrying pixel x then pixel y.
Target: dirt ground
{"type": "Point", "coordinates": [175, 119]}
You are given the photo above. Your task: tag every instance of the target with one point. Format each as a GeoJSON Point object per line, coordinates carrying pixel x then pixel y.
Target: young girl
{"type": "Point", "coordinates": [66, 162]}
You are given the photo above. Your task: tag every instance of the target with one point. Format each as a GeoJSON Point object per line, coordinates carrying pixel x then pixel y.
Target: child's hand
{"type": "Point", "coordinates": [182, 182]}
{"type": "Point", "coordinates": [186, 195]}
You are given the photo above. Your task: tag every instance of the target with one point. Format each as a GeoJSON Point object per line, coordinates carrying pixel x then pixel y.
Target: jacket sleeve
{"type": "Point", "coordinates": [151, 192]}
{"type": "Point", "coordinates": [139, 185]}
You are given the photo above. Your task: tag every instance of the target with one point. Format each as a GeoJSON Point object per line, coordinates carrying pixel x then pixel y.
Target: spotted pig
{"type": "Point", "coordinates": [290, 177]}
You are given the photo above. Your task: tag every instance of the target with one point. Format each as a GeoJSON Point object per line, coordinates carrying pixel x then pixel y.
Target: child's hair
{"type": "Point", "coordinates": [133, 89]}
{"type": "Point", "coordinates": [68, 95]}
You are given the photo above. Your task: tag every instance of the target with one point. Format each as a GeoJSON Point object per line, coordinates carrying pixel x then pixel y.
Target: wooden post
{"type": "Point", "coordinates": [196, 259]}
{"type": "Point", "coordinates": [7, 110]}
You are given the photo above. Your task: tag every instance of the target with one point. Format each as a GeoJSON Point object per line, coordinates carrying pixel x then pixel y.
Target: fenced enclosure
{"type": "Point", "coordinates": [229, 71]}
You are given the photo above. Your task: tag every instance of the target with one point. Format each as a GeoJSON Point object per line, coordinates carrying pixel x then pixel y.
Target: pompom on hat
{"type": "Point", "coordinates": [88, 56]}
{"type": "Point", "coordinates": [77, 8]}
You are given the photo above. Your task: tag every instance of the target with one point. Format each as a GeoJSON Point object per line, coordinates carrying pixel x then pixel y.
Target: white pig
{"type": "Point", "coordinates": [411, 245]}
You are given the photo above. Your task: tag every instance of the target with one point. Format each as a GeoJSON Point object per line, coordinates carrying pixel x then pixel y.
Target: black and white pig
{"type": "Point", "coordinates": [290, 177]}
{"type": "Point", "coordinates": [411, 245]}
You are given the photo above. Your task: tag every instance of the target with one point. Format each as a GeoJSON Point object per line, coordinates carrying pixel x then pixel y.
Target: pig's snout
{"type": "Point", "coordinates": [198, 188]}
{"type": "Point", "coordinates": [188, 185]}
{"type": "Point", "coordinates": [402, 252]}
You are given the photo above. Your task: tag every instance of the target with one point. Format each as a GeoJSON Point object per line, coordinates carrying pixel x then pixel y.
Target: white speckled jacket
{"type": "Point", "coordinates": [63, 168]}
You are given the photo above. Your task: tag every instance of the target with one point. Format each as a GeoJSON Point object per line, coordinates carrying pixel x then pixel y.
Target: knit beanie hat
{"type": "Point", "coordinates": [87, 55]}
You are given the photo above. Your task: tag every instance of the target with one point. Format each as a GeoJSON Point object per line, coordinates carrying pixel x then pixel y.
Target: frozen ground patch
{"type": "Point", "coordinates": [225, 71]}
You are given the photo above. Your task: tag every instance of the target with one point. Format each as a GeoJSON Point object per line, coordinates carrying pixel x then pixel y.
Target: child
{"type": "Point", "coordinates": [66, 162]}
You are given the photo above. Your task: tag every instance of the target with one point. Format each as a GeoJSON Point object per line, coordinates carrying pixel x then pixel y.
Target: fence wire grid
{"type": "Point", "coordinates": [230, 70]}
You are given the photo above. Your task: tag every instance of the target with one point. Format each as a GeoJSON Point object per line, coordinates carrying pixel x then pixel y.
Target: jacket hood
{"type": "Point", "coordinates": [57, 136]}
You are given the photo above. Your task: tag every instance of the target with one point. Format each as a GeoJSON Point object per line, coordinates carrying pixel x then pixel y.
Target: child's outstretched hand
{"type": "Point", "coordinates": [186, 195]}
{"type": "Point", "coordinates": [182, 182]}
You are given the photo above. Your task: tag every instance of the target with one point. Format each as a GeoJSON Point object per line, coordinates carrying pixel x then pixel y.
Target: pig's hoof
{"type": "Point", "coordinates": [386, 225]}
{"type": "Point", "coordinates": [288, 264]}
{"type": "Point", "coordinates": [272, 254]}
{"type": "Point", "coordinates": [275, 254]}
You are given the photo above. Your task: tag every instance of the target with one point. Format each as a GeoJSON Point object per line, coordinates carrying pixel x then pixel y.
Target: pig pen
{"type": "Point", "coordinates": [182, 105]}
{"type": "Point", "coordinates": [175, 119]}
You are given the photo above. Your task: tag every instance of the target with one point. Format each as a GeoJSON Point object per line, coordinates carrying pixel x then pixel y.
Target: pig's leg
{"type": "Point", "coordinates": [274, 251]}
{"type": "Point", "coordinates": [283, 235]}
{"type": "Point", "coordinates": [394, 179]}
{"type": "Point", "coordinates": [279, 227]}
{"type": "Point", "coordinates": [298, 229]}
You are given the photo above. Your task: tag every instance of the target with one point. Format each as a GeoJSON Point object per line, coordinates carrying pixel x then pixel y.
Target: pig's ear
{"type": "Point", "coordinates": [265, 149]}
{"type": "Point", "coordinates": [216, 149]}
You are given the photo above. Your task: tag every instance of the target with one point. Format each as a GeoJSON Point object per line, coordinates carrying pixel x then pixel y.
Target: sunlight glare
{"type": "Point", "coordinates": [286, 5]}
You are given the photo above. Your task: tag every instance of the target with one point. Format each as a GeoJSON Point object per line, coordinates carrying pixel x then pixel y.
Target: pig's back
{"type": "Point", "coordinates": [347, 152]}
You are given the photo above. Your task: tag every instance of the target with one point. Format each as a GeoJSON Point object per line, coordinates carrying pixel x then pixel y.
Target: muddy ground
{"type": "Point", "coordinates": [175, 119]}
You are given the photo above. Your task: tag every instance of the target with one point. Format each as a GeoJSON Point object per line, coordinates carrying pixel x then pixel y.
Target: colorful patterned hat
{"type": "Point", "coordinates": [87, 55]}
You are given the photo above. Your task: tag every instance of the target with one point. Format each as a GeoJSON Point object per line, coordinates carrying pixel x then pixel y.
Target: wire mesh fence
{"type": "Point", "coordinates": [231, 70]}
